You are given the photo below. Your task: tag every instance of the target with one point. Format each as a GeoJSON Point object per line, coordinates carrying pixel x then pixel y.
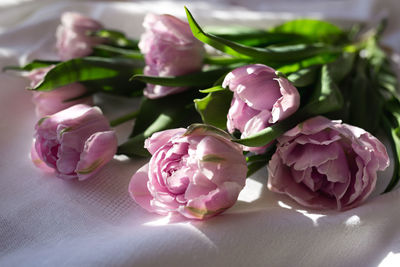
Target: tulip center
{"type": "Point", "coordinates": [174, 171]}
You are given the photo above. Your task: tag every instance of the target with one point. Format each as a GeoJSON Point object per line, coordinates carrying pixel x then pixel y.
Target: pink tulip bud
{"type": "Point", "coordinates": [260, 99]}
{"type": "Point", "coordinates": [75, 142]}
{"type": "Point", "coordinates": [50, 102]}
{"type": "Point", "coordinates": [197, 174]}
{"type": "Point", "coordinates": [324, 164]}
{"type": "Point", "coordinates": [73, 40]}
{"type": "Point", "coordinates": [170, 50]}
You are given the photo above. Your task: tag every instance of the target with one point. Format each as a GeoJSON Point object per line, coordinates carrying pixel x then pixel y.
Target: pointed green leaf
{"type": "Point", "coordinates": [256, 162]}
{"type": "Point", "coordinates": [303, 77]}
{"type": "Point", "coordinates": [197, 79]}
{"type": "Point", "coordinates": [364, 102]}
{"type": "Point", "coordinates": [110, 51]}
{"type": "Point", "coordinates": [157, 115]}
{"type": "Point", "coordinates": [341, 67]}
{"type": "Point", "coordinates": [119, 85]}
{"type": "Point", "coordinates": [214, 107]}
{"type": "Point", "coordinates": [178, 106]}
{"type": "Point", "coordinates": [326, 97]}
{"type": "Point", "coordinates": [35, 64]}
{"type": "Point", "coordinates": [315, 61]}
{"type": "Point", "coordinates": [315, 30]}
{"type": "Point", "coordinates": [85, 69]}
{"type": "Point", "coordinates": [269, 56]}
{"type": "Point", "coordinates": [254, 37]}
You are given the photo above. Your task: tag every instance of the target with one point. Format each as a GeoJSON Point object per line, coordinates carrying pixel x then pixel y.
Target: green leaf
{"type": "Point", "coordinates": [35, 64]}
{"type": "Point", "coordinates": [178, 106]}
{"type": "Point", "coordinates": [197, 79]}
{"type": "Point", "coordinates": [314, 30]}
{"type": "Point", "coordinates": [85, 69]}
{"type": "Point", "coordinates": [268, 134]}
{"type": "Point", "coordinates": [341, 67]}
{"type": "Point", "coordinates": [159, 114]}
{"type": "Point", "coordinates": [326, 97]}
{"type": "Point", "coordinates": [318, 60]}
{"type": "Point", "coordinates": [116, 38]}
{"type": "Point", "coordinates": [110, 51]}
{"type": "Point", "coordinates": [383, 74]}
{"type": "Point", "coordinates": [365, 103]}
{"type": "Point", "coordinates": [214, 107]}
{"type": "Point", "coordinates": [225, 60]}
{"type": "Point", "coordinates": [256, 162]}
{"type": "Point", "coordinates": [253, 37]}
{"type": "Point", "coordinates": [134, 147]}
{"type": "Point", "coordinates": [303, 77]}
{"type": "Point", "coordinates": [393, 134]}
{"type": "Point", "coordinates": [253, 167]}
{"type": "Point", "coordinates": [119, 85]}
{"type": "Point", "coordinates": [281, 54]}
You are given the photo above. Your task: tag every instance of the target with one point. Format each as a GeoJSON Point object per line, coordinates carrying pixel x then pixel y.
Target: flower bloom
{"type": "Point", "coordinates": [260, 99]}
{"type": "Point", "coordinates": [76, 142]}
{"type": "Point", "coordinates": [196, 173]}
{"type": "Point", "coordinates": [325, 164]}
{"type": "Point", "coordinates": [50, 102]}
{"type": "Point", "coordinates": [170, 49]}
{"type": "Point", "coordinates": [72, 36]}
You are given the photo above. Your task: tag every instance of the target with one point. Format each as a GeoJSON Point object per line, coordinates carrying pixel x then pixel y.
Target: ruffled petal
{"type": "Point", "coordinates": [158, 139]}
{"type": "Point", "coordinates": [280, 181]}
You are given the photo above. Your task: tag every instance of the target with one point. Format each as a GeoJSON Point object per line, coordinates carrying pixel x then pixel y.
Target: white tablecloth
{"type": "Point", "coordinates": [45, 221]}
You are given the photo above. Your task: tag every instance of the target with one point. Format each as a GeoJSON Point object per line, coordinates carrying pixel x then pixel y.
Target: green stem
{"type": "Point", "coordinates": [125, 118]}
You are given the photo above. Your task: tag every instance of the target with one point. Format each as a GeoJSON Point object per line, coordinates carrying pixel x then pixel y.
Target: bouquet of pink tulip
{"type": "Point", "coordinates": [302, 98]}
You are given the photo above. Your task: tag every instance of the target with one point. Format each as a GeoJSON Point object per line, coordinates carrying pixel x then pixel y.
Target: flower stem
{"type": "Point", "coordinates": [125, 118]}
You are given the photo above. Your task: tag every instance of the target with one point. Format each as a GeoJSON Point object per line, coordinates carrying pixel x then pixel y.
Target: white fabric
{"type": "Point", "coordinates": [45, 221]}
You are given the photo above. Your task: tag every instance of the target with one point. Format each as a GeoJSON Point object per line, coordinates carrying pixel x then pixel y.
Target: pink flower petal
{"type": "Point", "coordinates": [154, 142]}
{"type": "Point", "coordinates": [99, 149]}
{"type": "Point", "coordinates": [38, 161]}
{"type": "Point", "coordinates": [287, 104]}
{"type": "Point", "coordinates": [213, 203]}
{"type": "Point", "coordinates": [170, 50]}
{"type": "Point", "coordinates": [72, 38]}
{"type": "Point", "coordinates": [138, 188]}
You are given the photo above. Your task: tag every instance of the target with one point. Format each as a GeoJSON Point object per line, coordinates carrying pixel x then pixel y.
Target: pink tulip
{"type": "Point", "coordinates": [75, 142]}
{"type": "Point", "coordinates": [324, 164]}
{"type": "Point", "coordinates": [50, 102]}
{"type": "Point", "coordinates": [170, 50]}
{"type": "Point", "coordinates": [73, 40]}
{"type": "Point", "coordinates": [260, 99]}
{"type": "Point", "coordinates": [197, 174]}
